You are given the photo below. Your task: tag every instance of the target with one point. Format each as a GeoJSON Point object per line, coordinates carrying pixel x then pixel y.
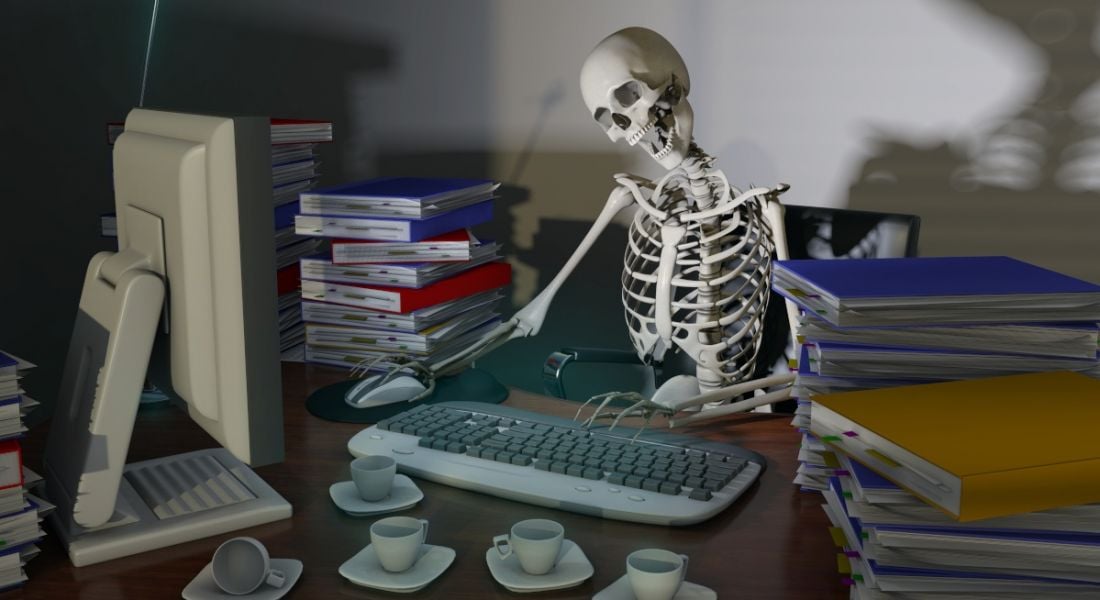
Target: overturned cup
{"type": "Point", "coordinates": [241, 565]}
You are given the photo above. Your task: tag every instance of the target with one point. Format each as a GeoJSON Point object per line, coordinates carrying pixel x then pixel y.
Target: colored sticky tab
{"type": "Point", "coordinates": [851, 434]}
{"type": "Point", "coordinates": [842, 473]}
{"type": "Point", "coordinates": [843, 565]}
{"type": "Point", "coordinates": [857, 577]}
{"type": "Point", "coordinates": [831, 438]}
{"type": "Point", "coordinates": [838, 536]}
{"type": "Point", "coordinates": [851, 554]}
{"type": "Point", "coordinates": [792, 364]}
{"type": "Point", "coordinates": [796, 292]}
{"type": "Point", "coordinates": [865, 535]}
{"type": "Point", "coordinates": [847, 495]}
{"type": "Point", "coordinates": [830, 459]}
{"type": "Point", "coordinates": [847, 581]}
{"type": "Point", "coordinates": [882, 457]}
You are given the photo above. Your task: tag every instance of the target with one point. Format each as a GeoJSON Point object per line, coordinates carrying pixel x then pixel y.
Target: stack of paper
{"type": "Point", "coordinates": [405, 277]}
{"type": "Point", "coordinates": [294, 170]}
{"type": "Point", "coordinates": [878, 323]}
{"type": "Point", "coordinates": [21, 512]}
{"type": "Point", "coordinates": [987, 486]}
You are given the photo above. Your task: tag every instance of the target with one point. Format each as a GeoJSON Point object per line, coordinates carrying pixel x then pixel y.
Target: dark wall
{"type": "Point", "coordinates": [71, 67]}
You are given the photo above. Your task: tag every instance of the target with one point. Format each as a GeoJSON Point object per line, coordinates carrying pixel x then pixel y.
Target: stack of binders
{"type": "Point", "coordinates": [406, 278]}
{"type": "Point", "coordinates": [878, 323]}
{"type": "Point", "coordinates": [294, 169]}
{"type": "Point", "coordinates": [21, 512]}
{"type": "Point", "coordinates": [983, 488]}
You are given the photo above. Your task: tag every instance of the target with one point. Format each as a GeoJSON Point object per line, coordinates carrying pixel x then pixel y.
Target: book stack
{"type": "Point", "coordinates": [878, 323]}
{"type": "Point", "coordinates": [21, 512]}
{"type": "Point", "coordinates": [983, 488]}
{"type": "Point", "coordinates": [294, 169]}
{"type": "Point", "coordinates": [405, 277]}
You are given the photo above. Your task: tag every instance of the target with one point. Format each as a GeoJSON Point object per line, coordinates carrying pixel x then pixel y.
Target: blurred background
{"type": "Point", "coordinates": [980, 116]}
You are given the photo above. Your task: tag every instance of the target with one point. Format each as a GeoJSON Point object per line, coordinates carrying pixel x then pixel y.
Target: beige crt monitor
{"type": "Point", "coordinates": [189, 300]}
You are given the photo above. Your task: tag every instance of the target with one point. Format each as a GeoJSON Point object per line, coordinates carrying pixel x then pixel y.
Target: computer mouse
{"type": "Point", "coordinates": [368, 393]}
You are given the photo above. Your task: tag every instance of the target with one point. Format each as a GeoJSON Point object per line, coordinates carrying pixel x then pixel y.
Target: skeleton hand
{"type": "Point", "coordinates": [639, 405]}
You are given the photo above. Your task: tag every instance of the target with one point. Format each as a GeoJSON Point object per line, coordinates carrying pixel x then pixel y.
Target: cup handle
{"type": "Point", "coordinates": [276, 578]}
{"type": "Point", "coordinates": [684, 571]}
{"type": "Point", "coordinates": [424, 531]}
{"type": "Point", "coordinates": [500, 542]}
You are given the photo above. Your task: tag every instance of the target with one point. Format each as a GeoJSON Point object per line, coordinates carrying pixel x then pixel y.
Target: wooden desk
{"type": "Point", "coordinates": [772, 543]}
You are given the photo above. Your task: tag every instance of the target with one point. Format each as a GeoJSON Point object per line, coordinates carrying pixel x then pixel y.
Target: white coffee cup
{"type": "Point", "coordinates": [535, 542]}
{"type": "Point", "coordinates": [241, 565]}
{"type": "Point", "coordinates": [373, 476]}
{"type": "Point", "coordinates": [655, 574]}
{"type": "Point", "coordinates": [397, 541]}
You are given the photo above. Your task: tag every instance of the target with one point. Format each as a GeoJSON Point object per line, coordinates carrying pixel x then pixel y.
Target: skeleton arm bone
{"type": "Point", "coordinates": [528, 320]}
{"type": "Point", "coordinates": [774, 212]}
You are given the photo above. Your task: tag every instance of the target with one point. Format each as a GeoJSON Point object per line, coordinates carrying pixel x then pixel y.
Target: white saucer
{"type": "Point", "coordinates": [403, 495]}
{"type": "Point", "coordinates": [202, 587]}
{"type": "Point", "coordinates": [365, 570]}
{"type": "Point", "coordinates": [572, 569]}
{"type": "Point", "coordinates": [620, 590]}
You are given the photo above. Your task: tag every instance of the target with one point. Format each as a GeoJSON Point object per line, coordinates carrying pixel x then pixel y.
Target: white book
{"type": "Point", "coordinates": [410, 275]}
{"type": "Point", "coordinates": [396, 341]}
{"type": "Point", "coordinates": [416, 321]}
{"type": "Point", "coordinates": [1074, 340]}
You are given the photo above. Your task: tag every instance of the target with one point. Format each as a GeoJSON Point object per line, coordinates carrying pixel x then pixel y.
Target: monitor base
{"type": "Point", "coordinates": [167, 501]}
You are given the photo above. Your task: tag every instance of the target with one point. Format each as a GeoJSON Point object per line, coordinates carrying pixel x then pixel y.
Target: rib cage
{"type": "Point", "coordinates": [740, 246]}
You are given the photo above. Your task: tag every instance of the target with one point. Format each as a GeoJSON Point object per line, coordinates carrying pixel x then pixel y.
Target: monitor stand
{"type": "Point", "coordinates": [167, 501]}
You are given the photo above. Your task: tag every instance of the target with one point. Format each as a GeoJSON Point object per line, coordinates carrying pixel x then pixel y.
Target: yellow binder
{"type": "Point", "coordinates": [978, 448]}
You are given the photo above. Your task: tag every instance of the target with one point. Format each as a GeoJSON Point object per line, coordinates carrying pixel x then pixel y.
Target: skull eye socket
{"type": "Point", "coordinates": [627, 94]}
{"type": "Point", "coordinates": [603, 117]}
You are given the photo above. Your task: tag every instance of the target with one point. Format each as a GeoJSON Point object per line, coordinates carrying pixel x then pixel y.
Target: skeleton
{"type": "Point", "coordinates": [698, 261]}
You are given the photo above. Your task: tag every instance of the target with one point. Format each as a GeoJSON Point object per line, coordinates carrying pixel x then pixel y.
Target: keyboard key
{"type": "Point", "coordinates": [542, 465]}
{"type": "Point", "coordinates": [503, 456]}
{"type": "Point", "coordinates": [694, 482]}
{"type": "Point", "coordinates": [633, 481]}
{"type": "Point", "coordinates": [617, 479]}
{"type": "Point", "coordinates": [592, 473]}
{"type": "Point", "coordinates": [521, 459]}
{"type": "Point", "coordinates": [456, 447]}
{"type": "Point", "coordinates": [425, 442]}
{"type": "Point", "coordinates": [700, 494]}
{"type": "Point", "coordinates": [574, 470]}
{"type": "Point", "coordinates": [651, 485]}
{"type": "Point", "coordinates": [559, 467]}
{"type": "Point", "coordinates": [669, 488]}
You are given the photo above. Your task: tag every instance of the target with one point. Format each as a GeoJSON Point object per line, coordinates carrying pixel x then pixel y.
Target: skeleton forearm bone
{"type": "Point", "coordinates": [529, 319]}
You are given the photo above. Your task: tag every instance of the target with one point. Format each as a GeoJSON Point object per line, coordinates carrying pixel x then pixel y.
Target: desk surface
{"type": "Point", "coordinates": [772, 543]}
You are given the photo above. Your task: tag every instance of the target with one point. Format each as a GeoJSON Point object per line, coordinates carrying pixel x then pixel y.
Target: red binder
{"type": "Point", "coordinates": [405, 300]}
{"type": "Point", "coordinates": [11, 465]}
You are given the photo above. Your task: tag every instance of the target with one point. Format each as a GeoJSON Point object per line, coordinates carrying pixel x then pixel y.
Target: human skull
{"type": "Point", "coordinates": [635, 85]}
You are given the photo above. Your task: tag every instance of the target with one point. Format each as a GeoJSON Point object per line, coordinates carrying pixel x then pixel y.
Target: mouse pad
{"type": "Point", "coordinates": [471, 385]}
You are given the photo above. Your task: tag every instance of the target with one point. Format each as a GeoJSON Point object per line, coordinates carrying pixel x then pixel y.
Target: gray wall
{"type": "Point", "coordinates": [979, 115]}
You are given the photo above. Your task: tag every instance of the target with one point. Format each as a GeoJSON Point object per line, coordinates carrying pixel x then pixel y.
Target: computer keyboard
{"type": "Point", "coordinates": [660, 477]}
